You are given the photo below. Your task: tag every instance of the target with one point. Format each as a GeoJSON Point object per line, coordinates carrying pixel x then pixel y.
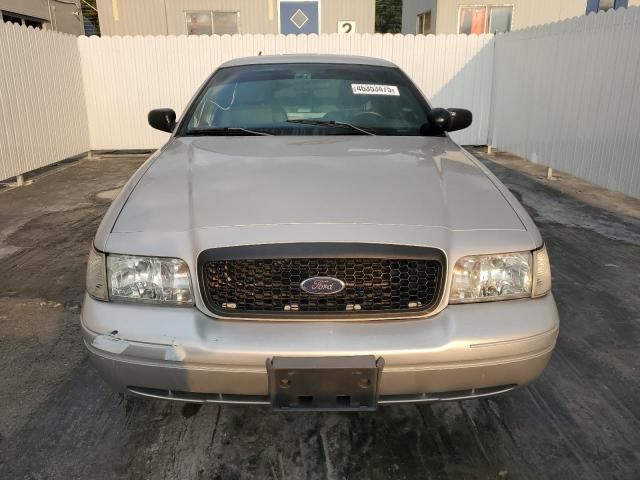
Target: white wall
{"type": "Point", "coordinates": [43, 117]}
{"type": "Point", "coordinates": [125, 77]}
{"type": "Point", "coordinates": [567, 95]}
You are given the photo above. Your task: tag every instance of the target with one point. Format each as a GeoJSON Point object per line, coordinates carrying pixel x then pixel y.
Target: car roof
{"type": "Point", "coordinates": [308, 58]}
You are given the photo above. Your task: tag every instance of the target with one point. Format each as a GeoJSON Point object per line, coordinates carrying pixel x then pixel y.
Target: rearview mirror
{"type": "Point", "coordinates": [162, 119]}
{"type": "Point", "coordinates": [450, 119]}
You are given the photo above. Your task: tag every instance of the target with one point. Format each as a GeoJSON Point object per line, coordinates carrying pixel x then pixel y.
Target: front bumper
{"type": "Point", "coordinates": [179, 353]}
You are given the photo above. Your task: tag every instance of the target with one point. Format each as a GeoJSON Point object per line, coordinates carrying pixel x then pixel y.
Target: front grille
{"type": "Point", "coordinates": [272, 285]}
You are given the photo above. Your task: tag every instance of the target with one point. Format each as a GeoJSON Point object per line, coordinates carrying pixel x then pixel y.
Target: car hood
{"type": "Point", "coordinates": [215, 182]}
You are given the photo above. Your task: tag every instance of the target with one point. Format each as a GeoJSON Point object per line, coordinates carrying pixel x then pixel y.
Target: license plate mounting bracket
{"type": "Point", "coordinates": [345, 383]}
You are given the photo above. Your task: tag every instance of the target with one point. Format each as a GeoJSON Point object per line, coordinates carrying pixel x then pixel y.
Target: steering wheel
{"type": "Point", "coordinates": [368, 118]}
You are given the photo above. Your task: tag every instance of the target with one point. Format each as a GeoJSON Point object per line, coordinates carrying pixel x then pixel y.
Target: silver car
{"type": "Point", "coordinates": [310, 238]}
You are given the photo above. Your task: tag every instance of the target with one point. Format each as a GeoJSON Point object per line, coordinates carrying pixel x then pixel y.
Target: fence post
{"type": "Point", "coordinates": [492, 95]}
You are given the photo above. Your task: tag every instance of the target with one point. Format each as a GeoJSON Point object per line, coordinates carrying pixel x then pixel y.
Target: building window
{"type": "Point", "coordinates": [473, 20]}
{"type": "Point", "coordinates": [597, 5]}
{"type": "Point", "coordinates": [199, 23]}
{"type": "Point", "coordinates": [208, 23]}
{"type": "Point", "coordinates": [423, 25]}
{"type": "Point", "coordinates": [485, 19]}
{"type": "Point", "coordinates": [225, 23]}
{"type": "Point", "coordinates": [21, 20]}
{"type": "Point", "coordinates": [500, 19]}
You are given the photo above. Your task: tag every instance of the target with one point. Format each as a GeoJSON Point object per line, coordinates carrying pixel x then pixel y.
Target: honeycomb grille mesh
{"type": "Point", "coordinates": [273, 285]}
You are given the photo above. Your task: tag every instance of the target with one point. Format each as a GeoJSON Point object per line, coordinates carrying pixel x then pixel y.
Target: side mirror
{"type": "Point", "coordinates": [451, 119]}
{"type": "Point", "coordinates": [162, 119]}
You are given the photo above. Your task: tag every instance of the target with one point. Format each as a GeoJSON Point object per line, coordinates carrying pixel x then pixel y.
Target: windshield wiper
{"type": "Point", "coordinates": [333, 123]}
{"type": "Point", "coordinates": [225, 131]}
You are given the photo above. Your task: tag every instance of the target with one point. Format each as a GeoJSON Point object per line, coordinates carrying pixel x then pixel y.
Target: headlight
{"type": "Point", "coordinates": [149, 279]}
{"type": "Point", "coordinates": [486, 278]}
{"type": "Point", "coordinates": [96, 275]}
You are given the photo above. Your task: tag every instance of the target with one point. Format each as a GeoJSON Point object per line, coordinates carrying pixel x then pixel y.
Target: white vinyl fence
{"type": "Point", "coordinates": [567, 95]}
{"type": "Point", "coordinates": [125, 77]}
{"type": "Point", "coordinates": [43, 117]}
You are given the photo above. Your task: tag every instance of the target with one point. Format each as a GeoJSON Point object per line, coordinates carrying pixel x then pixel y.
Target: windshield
{"type": "Point", "coordinates": [307, 99]}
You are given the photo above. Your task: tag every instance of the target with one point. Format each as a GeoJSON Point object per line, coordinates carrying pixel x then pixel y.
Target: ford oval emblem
{"type": "Point", "coordinates": [322, 285]}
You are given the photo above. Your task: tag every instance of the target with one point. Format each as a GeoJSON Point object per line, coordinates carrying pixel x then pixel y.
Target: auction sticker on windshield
{"type": "Point", "coordinates": [370, 89]}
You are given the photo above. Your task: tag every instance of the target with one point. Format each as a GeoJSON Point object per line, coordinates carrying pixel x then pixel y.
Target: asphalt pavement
{"type": "Point", "coordinates": [59, 420]}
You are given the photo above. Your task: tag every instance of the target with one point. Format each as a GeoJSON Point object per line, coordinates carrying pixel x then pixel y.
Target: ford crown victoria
{"type": "Point", "coordinates": [311, 238]}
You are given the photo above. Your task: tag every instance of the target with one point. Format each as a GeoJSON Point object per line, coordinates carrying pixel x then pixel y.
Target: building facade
{"type": "Point", "coordinates": [207, 17]}
{"type": "Point", "coordinates": [494, 16]}
{"type": "Point", "coordinates": [59, 15]}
